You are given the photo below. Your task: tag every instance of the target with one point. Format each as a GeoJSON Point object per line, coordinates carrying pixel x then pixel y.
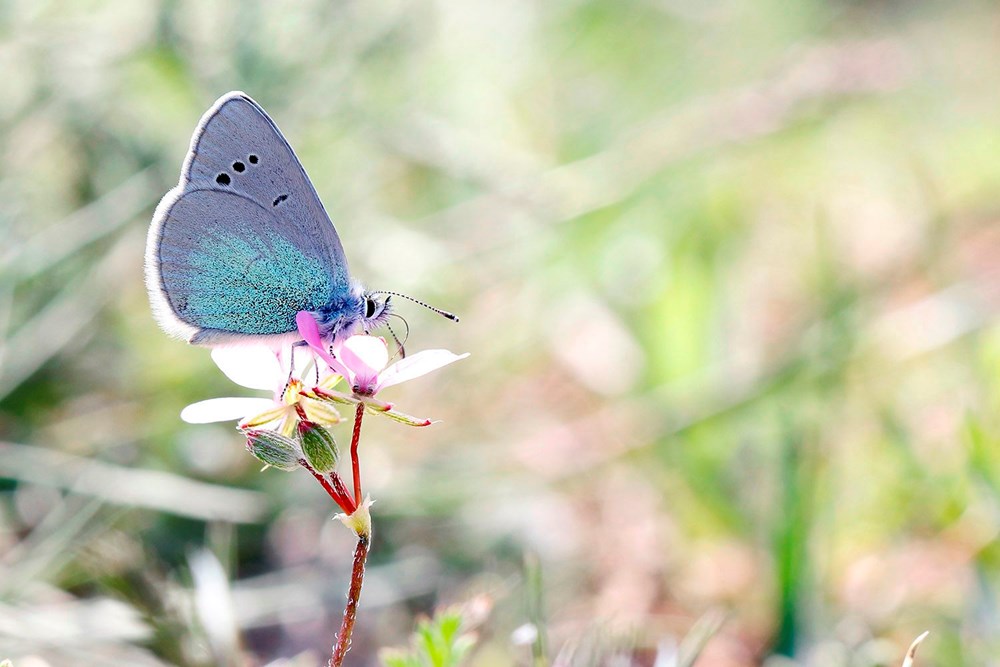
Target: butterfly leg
{"type": "Point", "coordinates": [291, 364]}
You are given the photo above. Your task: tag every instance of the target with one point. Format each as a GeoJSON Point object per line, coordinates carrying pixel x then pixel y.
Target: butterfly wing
{"type": "Point", "coordinates": [243, 242]}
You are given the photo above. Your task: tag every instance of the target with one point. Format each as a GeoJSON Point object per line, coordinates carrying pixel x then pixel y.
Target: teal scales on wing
{"type": "Point", "coordinates": [243, 243]}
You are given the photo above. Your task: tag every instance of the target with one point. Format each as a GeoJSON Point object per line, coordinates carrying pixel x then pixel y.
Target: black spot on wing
{"type": "Point", "coordinates": [279, 199]}
{"type": "Point", "coordinates": [239, 166]}
{"type": "Point", "coordinates": [253, 159]}
{"type": "Point", "coordinates": [223, 179]}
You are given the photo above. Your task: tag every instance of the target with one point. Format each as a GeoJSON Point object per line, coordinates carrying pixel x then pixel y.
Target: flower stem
{"type": "Point", "coordinates": [355, 464]}
{"type": "Point", "coordinates": [351, 610]}
{"type": "Point", "coordinates": [338, 484]}
{"type": "Point", "coordinates": [339, 495]}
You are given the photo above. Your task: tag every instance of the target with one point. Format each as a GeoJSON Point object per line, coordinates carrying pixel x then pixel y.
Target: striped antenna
{"type": "Point", "coordinates": [451, 316]}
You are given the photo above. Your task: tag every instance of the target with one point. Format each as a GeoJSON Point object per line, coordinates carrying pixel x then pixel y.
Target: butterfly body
{"type": "Point", "coordinates": [243, 243]}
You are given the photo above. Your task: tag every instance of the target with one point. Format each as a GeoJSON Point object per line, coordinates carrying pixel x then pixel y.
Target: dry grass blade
{"type": "Point", "coordinates": [213, 604]}
{"type": "Point", "coordinates": [698, 637]}
{"type": "Point", "coordinates": [88, 224]}
{"type": "Point", "coordinates": [912, 652]}
{"type": "Point", "coordinates": [61, 320]}
{"type": "Point", "coordinates": [64, 623]}
{"type": "Point", "coordinates": [150, 489]}
{"type": "Point", "coordinates": [51, 544]}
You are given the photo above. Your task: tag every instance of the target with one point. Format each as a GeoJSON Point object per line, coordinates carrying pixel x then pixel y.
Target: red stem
{"type": "Point", "coordinates": [339, 495]}
{"type": "Point", "coordinates": [338, 484]}
{"type": "Point", "coordinates": [351, 610]}
{"type": "Point", "coordinates": [355, 464]}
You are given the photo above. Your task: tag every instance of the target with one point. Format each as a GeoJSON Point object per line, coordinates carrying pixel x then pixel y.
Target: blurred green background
{"type": "Point", "coordinates": [728, 271]}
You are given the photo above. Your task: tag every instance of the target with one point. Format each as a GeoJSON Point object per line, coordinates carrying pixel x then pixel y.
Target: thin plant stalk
{"type": "Point", "coordinates": [338, 484]}
{"type": "Point", "coordinates": [355, 464]}
{"type": "Point", "coordinates": [343, 644]}
{"type": "Point", "coordinates": [334, 488]}
{"type": "Point", "coordinates": [353, 597]}
{"type": "Point", "coordinates": [536, 609]}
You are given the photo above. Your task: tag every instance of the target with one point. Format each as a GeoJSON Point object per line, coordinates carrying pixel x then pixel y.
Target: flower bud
{"type": "Point", "coordinates": [274, 449]}
{"type": "Point", "coordinates": [319, 447]}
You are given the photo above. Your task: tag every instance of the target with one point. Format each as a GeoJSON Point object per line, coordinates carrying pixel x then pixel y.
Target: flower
{"type": "Point", "coordinates": [364, 362]}
{"type": "Point", "coordinates": [258, 367]}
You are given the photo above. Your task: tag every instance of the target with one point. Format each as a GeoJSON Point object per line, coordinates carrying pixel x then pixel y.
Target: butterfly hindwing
{"type": "Point", "coordinates": [224, 267]}
{"type": "Point", "coordinates": [243, 242]}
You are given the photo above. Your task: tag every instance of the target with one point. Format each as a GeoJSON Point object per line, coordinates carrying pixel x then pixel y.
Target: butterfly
{"type": "Point", "coordinates": [242, 244]}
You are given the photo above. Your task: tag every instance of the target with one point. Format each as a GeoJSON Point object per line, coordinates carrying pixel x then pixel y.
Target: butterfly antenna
{"type": "Point", "coordinates": [451, 316]}
{"type": "Point", "coordinates": [400, 345]}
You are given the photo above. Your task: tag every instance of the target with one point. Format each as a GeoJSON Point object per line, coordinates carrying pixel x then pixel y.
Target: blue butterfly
{"type": "Point", "coordinates": [243, 243]}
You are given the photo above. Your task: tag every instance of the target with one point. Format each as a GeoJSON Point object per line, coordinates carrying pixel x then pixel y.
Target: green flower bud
{"type": "Point", "coordinates": [319, 447]}
{"type": "Point", "coordinates": [274, 449]}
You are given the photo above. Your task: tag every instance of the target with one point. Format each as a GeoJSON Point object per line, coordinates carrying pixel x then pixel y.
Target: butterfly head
{"type": "Point", "coordinates": [361, 311]}
{"type": "Point", "coordinates": [376, 310]}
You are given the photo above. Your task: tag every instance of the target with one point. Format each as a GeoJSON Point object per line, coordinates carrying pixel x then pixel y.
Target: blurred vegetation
{"type": "Point", "coordinates": [438, 642]}
{"type": "Point", "coordinates": [729, 272]}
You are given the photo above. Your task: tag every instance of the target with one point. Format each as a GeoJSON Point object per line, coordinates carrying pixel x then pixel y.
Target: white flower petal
{"type": "Point", "coordinates": [252, 366]}
{"type": "Point", "coordinates": [365, 355]}
{"type": "Point", "coordinates": [416, 365]}
{"type": "Point", "coordinates": [224, 409]}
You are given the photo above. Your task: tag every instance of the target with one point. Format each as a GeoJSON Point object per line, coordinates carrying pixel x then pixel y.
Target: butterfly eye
{"type": "Point", "coordinates": [369, 307]}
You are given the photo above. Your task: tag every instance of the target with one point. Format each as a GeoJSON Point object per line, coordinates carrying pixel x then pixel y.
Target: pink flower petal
{"type": "Point", "coordinates": [365, 352]}
{"type": "Point", "coordinates": [416, 365]}
{"type": "Point", "coordinates": [366, 356]}
{"type": "Point", "coordinates": [309, 330]}
{"type": "Point", "coordinates": [224, 409]}
{"type": "Point", "coordinates": [252, 366]}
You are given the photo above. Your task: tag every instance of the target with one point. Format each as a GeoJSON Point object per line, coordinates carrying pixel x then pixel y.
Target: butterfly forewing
{"type": "Point", "coordinates": [243, 242]}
